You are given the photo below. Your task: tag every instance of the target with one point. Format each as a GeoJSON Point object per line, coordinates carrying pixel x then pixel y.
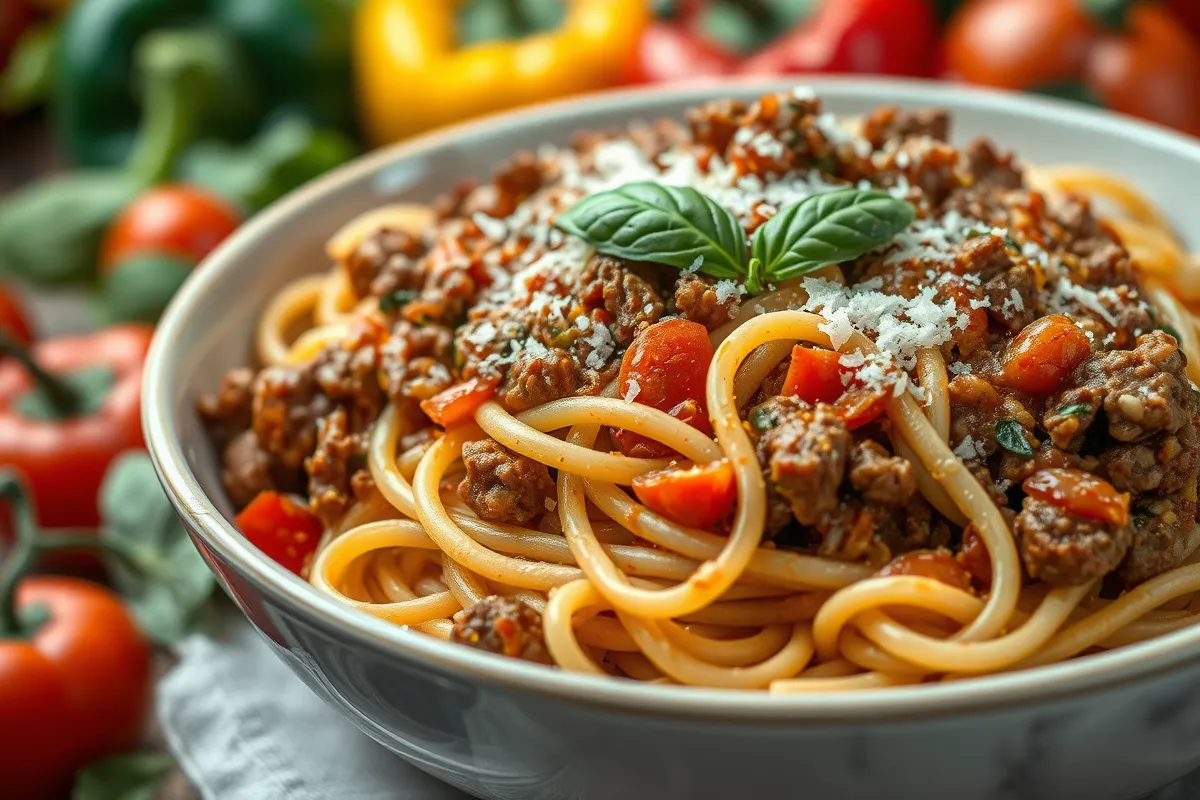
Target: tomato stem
{"type": "Point", "coordinates": [28, 547]}
{"type": "Point", "coordinates": [61, 395]}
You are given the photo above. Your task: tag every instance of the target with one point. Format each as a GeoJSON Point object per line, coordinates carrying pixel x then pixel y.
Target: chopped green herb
{"type": "Point", "coordinates": [1011, 437]}
{"type": "Point", "coordinates": [975, 233]}
{"type": "Point", "coordinates": [395, 300]}
{"type": "Point", "coordinates": [761, 419]}
{"type": "Point", "coordinates": [1078, 409]}
{"type": "Point", "coordinates": [1011, 243]}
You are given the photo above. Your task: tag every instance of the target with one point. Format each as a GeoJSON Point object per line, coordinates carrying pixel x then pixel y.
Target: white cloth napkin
{"type": "Point", "coordinates": [243, 727]}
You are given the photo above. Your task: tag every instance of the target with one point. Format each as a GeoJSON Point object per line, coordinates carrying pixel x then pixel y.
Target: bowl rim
{"type": "Point", "coordinates": [990, 692]}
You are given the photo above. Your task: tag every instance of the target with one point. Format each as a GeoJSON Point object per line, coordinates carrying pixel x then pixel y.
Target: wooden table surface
{"type": "Point", "coordinates": [27, 153]}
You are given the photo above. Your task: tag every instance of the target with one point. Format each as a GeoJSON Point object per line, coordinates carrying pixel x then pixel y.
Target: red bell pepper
{"type": "Point", "coordinates": [68, 406]}
{"type": "Point", "coordinates": [674, 49]}
{"type": "Point", "coordinates": [882, 37]}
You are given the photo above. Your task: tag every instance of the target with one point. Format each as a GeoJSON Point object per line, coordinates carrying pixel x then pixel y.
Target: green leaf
{"type": "Point", "coordinates": [167, 584]}
{"type": "Point", "coordinates": [289, 153]}
{"type": "Point", "coordinates": [139, 289]}
{"type": "Point", "coordinates": [130, 777]}
{"type": "Point", "coordinates": [394, 300]}
{"type": "Point", "coordinates": [50, 233]}
{"type": "Point", "coordinates": [828, 229]}
{"type": "Point", "coordinates": [90, 384]}
{"type": "Point", "coordinates": [1078, 408]}
{"type": "Point", "coordinates": [29, 77]}
{"type": "Point", "coordinates": [1011, 437]}
{"type": "Point", "coordinates": [668, 225]}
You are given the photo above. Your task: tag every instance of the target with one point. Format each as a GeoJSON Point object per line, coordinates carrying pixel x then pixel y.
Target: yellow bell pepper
{"type": "Point", "coordinates": [412, 76]}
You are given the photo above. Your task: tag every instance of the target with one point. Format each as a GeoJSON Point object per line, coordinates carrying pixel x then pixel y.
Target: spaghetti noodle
{"type": "Point", "coordinates": [1047, 539]}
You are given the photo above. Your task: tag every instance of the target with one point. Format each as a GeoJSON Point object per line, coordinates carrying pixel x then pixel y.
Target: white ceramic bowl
{"type": "Point", "coordinates": [1109, 726]}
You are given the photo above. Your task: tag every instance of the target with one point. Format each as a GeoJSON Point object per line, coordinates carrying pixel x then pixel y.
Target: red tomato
{"type": "Point", "coordinates": [816, 376]}
{"type": "Point", "coordinates": [940, 566]}
{"type": "Point", "coordinates": [459, 403]}
{"type": "Point", "coordinates": [13, 320]}
{"type": "Point", "coordinates": [74, 692]}
{"type": "Point", "coordinates": [15, 16]}
{"type": "Point", "coordinates": [1018, 44]}
{"type": "Point", "coordinates": [698, 497]}
{"type": "Point", "coordinates": [1043, 355]}
{"type": "Point", "coordinates": [1080, 493]}
{"type": "Point", "coordinates": [1149, 69]}
{"type": "Point", "coordinates": [178, 220]}
{"type": "Point", "coordinates": [669, 362]}
{"type": "Point", "coordinates": [286, 530]}
{"type": "Point", "coordinates": [64, 458]}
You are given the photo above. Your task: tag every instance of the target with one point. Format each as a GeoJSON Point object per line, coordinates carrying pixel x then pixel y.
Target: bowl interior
{"type": "Point", "coordinates": [209, 327]}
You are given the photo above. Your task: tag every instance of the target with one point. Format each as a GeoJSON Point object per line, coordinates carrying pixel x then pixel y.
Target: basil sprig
{"type": "Point", "coordinates": [682, 228]}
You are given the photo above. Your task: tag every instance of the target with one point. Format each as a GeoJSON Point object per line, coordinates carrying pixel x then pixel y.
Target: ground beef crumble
{"type": "Point", "coordinates": [502, 625]}
{"type": "Point", "coordinates": [503, 486]}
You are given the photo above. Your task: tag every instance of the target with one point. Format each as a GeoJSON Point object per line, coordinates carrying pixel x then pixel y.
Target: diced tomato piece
{"type": "Point", "coordinates": [698, 497]}
{"type": "Point", "coordinates": [816, 376]}
{"type": "Point", "coordinates": [938, 565]}
{"type": "Point", "coordinates": [459, 403]}
{"type": "Point", "coordinates": [861, 406]}
{"type": "Point", "coordinates": [974, 557]}
{"type": "Point", "coordinates": [668, 363]}
{"type": "Point", "coordinates": [1043, 355]}
{"type": "Point", "coordinates": [286, 530]}
{"type": "Point", "coordinates": [1080, 493]}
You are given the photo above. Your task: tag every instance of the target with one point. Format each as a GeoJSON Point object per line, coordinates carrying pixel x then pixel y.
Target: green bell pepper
{"type": "Point", "coordinates": [280, 58]}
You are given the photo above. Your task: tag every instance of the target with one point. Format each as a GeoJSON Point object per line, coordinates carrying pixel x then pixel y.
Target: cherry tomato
{"type": "Point", "coordinates": [698, 497]}
{"type": "Point", "coordinates": [74, 692]}
{"type": "Point", "coordinates": [1018, 44]}
{"type": "Point", "coordinates": [1080, 493]}
{"type": "Point", "coordinates": [178, 220]}
{"type": "Point", "coordinates": [459, 403]}
{"type": "Point", "coordinates": [1043, 355]}
{"type": "Point", "coordinates": [668, 362]}
{"type": "Point", "coordinates": [64, 458]}
{"type": "Point", "coordinates": [1149, 69]}
{"type": "Point", "coordinates": [13, 320]}
{"type": "Point", "coordinates": [286, 530]}
{"type": "Point", "coordinates": [938, 565]}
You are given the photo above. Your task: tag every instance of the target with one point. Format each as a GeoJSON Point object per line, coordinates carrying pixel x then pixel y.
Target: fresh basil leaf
{"type": "Point", "coordinates": [1011, 437]}
{"type": "Point", "coordinates": [668, 225]}
{"type": "Point", "coordinates": [167, 583]}
{"type": "Point", "coordinates": [1077, 408]}
{"type": "Point", "coordinates": [828, 229]}
{"type": "Point", "coordinates": [130, 777]}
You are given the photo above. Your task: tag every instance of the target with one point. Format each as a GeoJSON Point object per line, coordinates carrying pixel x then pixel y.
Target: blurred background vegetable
{"type": "Point", "coordinates": [161, 125]}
